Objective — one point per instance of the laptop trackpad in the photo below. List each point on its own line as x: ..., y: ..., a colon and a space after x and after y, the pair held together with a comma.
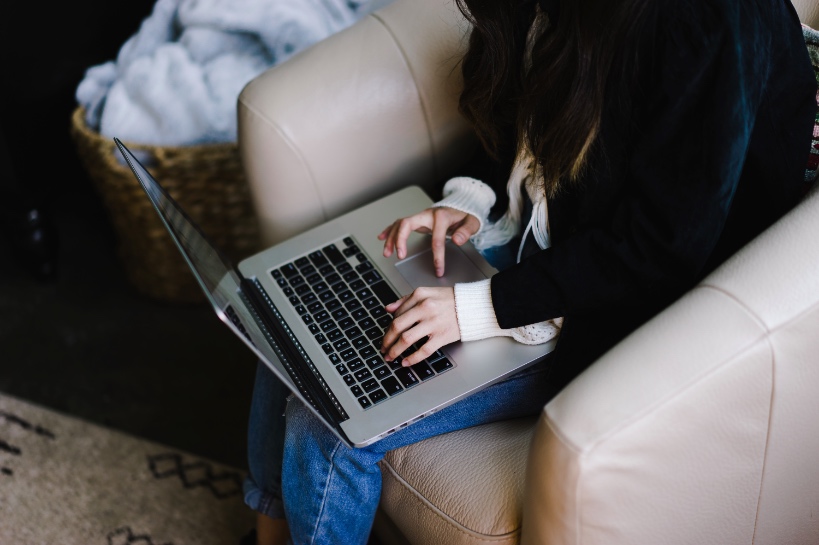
x: 418, y: 270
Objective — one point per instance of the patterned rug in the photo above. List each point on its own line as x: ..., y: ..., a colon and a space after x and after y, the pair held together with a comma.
x: 66, y: 481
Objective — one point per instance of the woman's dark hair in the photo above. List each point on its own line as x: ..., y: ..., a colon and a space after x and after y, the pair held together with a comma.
x: 555, y: 101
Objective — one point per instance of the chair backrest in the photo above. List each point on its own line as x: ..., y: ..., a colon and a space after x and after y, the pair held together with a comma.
x: 808, y: 11
x: 359, y: 115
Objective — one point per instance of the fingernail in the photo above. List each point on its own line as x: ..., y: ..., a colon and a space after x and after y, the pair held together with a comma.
x: 458, y: 239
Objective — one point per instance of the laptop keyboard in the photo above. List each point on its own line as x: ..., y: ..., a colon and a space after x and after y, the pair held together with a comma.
x: 340, y: 297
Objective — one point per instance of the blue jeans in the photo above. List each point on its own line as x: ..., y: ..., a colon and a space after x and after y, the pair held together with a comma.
x: 329, y: 492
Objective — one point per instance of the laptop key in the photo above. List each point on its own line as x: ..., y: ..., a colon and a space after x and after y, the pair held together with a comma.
x: 332, y: 304
x: 352, y: 304
x: 345, y: 296
x: 351, y: 276
x: 332, y: 277
x: 302, y: 289
x: 382, y: 372
x: 348, y: 241
x: 365, y: 323
x: 405, y: 375
x: 371, y: 277
x: 356, y: 285
x: 276, y: 273
x: 338, y: 287
x: 340, y: 314
x: 396, y: 363
x: 352, y: 333
x: 327, y: 269
x: 373, y: 333
x: 346, y: 323
x: 369, y: 385
x: 362, y: 374
x: 296, y: 280
x: 360, y: 343
x: 378, y: 396
x: 357, y: 391
x: 301, y: 262
x: 313, y: 278
x: 289, y: 270
x: 378, y: 312
x: 385, y: 321
x: 349, y: 380
x: 342, y: 370
x: 441, y: 365
x: 321, y: 315
x: 351, y: 251
x: 301, y: 310
x: 334, y: 334
x: 326, y: 295
x: 328, y: 326
x: 293, y: 300
x: 423, y: 371
x: 314, y: 307
x: 288, y: 291
x: 327, y: 348
x: 364, y: 402
x: 314, y: 329
x: 334, y: 358
x: 320, y: 287
x: 332, y: 252
x: 367, y: 351
x: 359, y: 314
x: 384, y: 292
x: 341, y: 344
x: 344, y: 267
x: 321, y: 339
x: 318, y: 259
x: 355, y: 365
x: 282, y: 282
x: 391, y: 386
x: 372, y: 302
x: 307, y: 319
x: 348, y: 354
x: 374, y: 362
x: 308, y: 270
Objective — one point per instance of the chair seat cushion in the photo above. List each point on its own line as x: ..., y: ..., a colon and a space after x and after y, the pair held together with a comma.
x: 461, y: 487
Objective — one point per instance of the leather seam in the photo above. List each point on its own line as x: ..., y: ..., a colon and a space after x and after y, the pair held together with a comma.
x: 764, y: 336
x: 424, y: 108
x: 443, y: 516
x: 296, y: 151
x: 767, y: 440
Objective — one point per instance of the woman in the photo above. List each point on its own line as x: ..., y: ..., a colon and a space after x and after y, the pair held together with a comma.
x: 640, y: 142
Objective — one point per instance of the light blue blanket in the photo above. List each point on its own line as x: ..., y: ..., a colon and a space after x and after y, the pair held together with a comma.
x: 176, y: 81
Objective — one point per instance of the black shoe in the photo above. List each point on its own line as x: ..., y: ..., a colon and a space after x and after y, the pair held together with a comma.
x: 249, y: 539
x: 33, y: 241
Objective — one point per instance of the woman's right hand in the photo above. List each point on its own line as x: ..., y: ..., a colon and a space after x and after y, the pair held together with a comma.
x: 440, y: 222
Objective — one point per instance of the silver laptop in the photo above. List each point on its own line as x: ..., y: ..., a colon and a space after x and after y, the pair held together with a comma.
x: 312, y: 309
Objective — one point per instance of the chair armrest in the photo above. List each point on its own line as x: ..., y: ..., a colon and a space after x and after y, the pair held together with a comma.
x: 359, y: 115
x: 701, y: 427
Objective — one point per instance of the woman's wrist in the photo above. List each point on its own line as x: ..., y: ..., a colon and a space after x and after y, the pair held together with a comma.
x: 475, y: 312
x: 468, y: 195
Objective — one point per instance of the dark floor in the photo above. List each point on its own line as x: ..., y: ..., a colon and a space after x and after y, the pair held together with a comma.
x: 89, y: 345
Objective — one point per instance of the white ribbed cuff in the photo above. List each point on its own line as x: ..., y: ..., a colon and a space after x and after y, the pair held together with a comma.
x: 476, y: 315
x: 468, y: 195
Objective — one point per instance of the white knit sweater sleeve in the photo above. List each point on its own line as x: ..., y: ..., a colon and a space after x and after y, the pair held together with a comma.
x: 468, y: 195
x: 477, y: 320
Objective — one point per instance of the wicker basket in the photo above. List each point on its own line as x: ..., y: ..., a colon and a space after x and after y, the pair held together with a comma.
x: 206, y: 180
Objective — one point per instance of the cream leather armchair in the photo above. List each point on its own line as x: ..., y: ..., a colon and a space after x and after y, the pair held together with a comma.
x: 700, y: 428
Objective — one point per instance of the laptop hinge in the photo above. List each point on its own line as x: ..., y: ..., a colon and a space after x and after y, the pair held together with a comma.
x: 292, y: 355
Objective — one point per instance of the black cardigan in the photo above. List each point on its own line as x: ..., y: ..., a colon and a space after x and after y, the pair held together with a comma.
x: 713, y: 154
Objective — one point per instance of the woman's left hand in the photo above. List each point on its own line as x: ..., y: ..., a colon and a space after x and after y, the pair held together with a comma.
x: 426, y: 312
